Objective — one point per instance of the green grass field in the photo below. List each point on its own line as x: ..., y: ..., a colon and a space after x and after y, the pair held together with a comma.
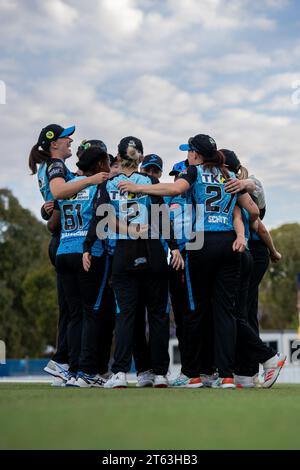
x: 34, y: 416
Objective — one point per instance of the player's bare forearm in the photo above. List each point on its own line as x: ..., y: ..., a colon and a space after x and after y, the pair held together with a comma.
x: 264, y: 234
x: 160, y: 189
x: 238, y: 222
x: 240, y: 242
x: 247, y: 203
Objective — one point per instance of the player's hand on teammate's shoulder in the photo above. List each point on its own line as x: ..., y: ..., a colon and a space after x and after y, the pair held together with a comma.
x: 99, y: 178
x: 86, y: 261
x: 275, y: 256
x: 239, y: 244
x: 234, y: 186
x: 127, y: 186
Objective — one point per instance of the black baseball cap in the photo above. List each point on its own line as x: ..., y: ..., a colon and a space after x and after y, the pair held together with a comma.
x: 200, y: 143
x: 53, y: 132
x: 129, y: 141
x: 112, y: 159
x: 178, y: 168
x: 90, y: 157
x: 152, y: 160
x: 231, y: 160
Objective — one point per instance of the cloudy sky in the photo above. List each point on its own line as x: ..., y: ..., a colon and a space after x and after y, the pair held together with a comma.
x: 162, y: 70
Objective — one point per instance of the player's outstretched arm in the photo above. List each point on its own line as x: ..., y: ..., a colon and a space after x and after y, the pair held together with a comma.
x: 161, y: 189
x: 61, y: 189
x: 265, y: 235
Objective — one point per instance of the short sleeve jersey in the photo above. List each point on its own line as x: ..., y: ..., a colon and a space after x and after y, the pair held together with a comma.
x: 52, y: 168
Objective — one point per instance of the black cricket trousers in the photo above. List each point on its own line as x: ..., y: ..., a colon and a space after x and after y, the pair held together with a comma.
x: 212, y: 275
x: 129, y: 285
x: 61, y: 355
x: 249, y: 347
x: 83, y: 291
x: 261, y: 259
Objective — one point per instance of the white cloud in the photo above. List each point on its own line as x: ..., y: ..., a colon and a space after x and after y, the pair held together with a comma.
x: 60, y: 12
x: 122, y: 15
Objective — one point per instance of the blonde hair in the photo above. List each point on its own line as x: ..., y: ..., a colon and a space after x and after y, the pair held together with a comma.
x: 132, y: 158
x: 243, y: 173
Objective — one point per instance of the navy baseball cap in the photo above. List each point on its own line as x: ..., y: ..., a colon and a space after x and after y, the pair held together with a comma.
x: 231, y: 160
x: 90, y: 157
x: 200, y: 143
x: 152, y: 160
x: 178, y: 168
x: 53, y: 132
x: 112, y: 159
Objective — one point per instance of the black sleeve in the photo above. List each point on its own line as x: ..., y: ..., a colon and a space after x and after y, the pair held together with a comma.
x: 165, y: 212
x: 190, y: 176
x: 101, y: 197
x: 262, y: 213
x: 56, y: 169
x: 44, y: 214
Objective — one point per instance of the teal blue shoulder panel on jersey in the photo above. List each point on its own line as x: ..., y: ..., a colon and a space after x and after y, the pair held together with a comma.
x: 43, y: 178
x: 44, y: 183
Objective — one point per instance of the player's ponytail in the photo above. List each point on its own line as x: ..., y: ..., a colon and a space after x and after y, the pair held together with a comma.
x: 242, y: 173
x: 37, y: 156
x: 131, y: 159
x: 215, y: 160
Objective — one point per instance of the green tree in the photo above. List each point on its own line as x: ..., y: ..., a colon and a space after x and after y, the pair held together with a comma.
x: 23, y: 250
x: 40, y: 309
x: 278, y: 292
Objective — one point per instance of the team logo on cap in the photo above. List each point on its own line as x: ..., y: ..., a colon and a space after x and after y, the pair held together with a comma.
x: 131, y: 143
x: 50, y: 135
x: 212, y: 141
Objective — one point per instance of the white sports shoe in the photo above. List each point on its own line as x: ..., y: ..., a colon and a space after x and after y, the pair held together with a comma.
x: 117, y: 380
x: 243, y: 381
x: 57, y: 370
x: 272, y: 369
x: 88, y: 380
x: 71, y: 380
x: 145, y: 379
x: 160, y: 381
x: 58, y: 382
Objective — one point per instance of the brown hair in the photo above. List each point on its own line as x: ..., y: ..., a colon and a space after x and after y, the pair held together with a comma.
x: 37, y: 156
x: 215, y: 160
